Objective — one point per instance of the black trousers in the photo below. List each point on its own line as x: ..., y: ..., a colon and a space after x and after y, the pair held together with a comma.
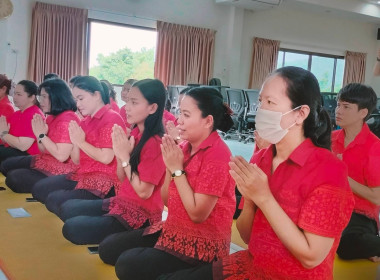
x: 20, y: 178
x: 151, y: 263
x: 115, y: 244
x: 360, y: 239
x: 85, y: 223
x: 8, y: 152
x: 15, y: 163
x: 44, y: 187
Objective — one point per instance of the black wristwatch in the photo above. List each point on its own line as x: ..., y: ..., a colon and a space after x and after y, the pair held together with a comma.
x: 178, y: 173
x: 40, y: 137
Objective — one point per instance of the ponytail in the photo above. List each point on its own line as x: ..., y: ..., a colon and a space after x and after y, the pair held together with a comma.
x: 318, y: 128
x: 210, y: 102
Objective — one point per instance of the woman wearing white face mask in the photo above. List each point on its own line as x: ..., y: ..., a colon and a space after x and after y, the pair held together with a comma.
x: 296, y: 195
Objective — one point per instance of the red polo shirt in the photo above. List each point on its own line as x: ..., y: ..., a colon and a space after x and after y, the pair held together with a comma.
x: 123, y: 114
x: 127, y: 206
x: 207, y: 172
x: 114, y: 106
x: 362, y: 157
x: 311, y: 187
x: 21, y: 126
x: 6, y: 108
x: 58, y: 133
x: 93, y: 175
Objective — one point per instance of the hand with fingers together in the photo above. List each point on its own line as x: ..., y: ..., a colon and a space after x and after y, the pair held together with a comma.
x: 4, y: 126
x: 251, y: 181
x: 121, y: 145
x: 171, y: 154
x: 77, y: 135
x: 39, y: 125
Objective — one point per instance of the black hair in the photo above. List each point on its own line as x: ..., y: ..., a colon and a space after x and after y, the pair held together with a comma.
x: 210, y: 102
x: 61, y: 98
x: 359, y: 94
x: 30, y: 88
x: 153, y: 91
x: 303, y: 89
x: 73, y: 79
x: 92, y: 84
x: 51, y: 76
x: 4, y: 81
x: 110, y: 88
x: 131, y: 81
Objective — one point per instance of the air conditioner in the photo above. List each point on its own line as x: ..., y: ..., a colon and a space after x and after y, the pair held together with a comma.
x: 251, y: 4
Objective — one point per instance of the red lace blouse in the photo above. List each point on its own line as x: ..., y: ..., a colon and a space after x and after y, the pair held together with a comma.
x: 362, y: 157
x: 58, y: 133
x: 207, y: 172
x: 127, y: 206
x: 93, y: 175
x: 311, y: 187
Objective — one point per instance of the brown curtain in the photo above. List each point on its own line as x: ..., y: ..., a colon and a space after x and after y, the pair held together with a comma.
x: 354, y: 68
x: 58, y: 42
x: 184, y: 54
x: 264, y: 61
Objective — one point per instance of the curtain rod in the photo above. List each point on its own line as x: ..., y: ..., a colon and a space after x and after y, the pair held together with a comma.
x: 121, y: 14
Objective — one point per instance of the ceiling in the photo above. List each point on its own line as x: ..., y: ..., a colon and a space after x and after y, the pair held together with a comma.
x: 363, y: 10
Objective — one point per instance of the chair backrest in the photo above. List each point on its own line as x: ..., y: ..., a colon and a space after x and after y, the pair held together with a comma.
x: 252, y: 96
x: 173, y: 93
x: 236, y: 100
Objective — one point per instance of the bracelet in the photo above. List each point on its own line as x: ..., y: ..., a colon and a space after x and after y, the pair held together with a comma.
x: 3, y: 133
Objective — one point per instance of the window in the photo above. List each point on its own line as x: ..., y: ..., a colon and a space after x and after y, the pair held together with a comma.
x: 328, y: 69
x: 119, y: 52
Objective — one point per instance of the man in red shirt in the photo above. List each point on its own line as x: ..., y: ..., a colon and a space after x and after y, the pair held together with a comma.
x: 359, y: 148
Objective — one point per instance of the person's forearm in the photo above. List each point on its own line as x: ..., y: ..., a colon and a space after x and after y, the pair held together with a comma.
x: 103, y: 155
x: 371, y: 194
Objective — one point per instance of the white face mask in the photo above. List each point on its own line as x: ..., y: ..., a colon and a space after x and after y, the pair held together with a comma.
x: 268, y: 125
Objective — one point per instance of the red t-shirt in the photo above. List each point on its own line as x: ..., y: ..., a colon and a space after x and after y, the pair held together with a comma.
x: 123, y: 114
x: 93, y: 175
x: 362, y: 157
x: 58, y: 133
x: 207, y: 172
x: 127, y: 206
x: 21, y: 126
x: 6, y: 108
x: 311, y: 187
x: 114, y: 106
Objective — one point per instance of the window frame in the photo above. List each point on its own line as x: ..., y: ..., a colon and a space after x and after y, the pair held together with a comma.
x: 91, y: 20
x: 310, y: 60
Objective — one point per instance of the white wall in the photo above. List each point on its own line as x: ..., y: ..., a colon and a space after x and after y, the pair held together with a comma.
x: 235, y: 31
x: 312, y: 32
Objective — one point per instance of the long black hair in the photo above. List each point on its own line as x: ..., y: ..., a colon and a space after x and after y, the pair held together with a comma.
x: 154, y: 92
x: 61, y: 98
x: 303, y: 89
x: 210, y: 102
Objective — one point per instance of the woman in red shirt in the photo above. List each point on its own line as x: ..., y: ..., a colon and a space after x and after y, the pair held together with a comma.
x: 140, y: 168
x: 296, y: 196
x: 92, y: 151
x: 124, y: 92
x: 6, y: 107
x: 198, y: 191
x: 17, y: 134
x: 53, y: 137
x: 359, y: 149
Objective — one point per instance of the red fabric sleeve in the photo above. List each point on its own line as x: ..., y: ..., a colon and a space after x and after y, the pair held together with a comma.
x: 151, y: 167
x: 372, y: 173
x: 326, y: 210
